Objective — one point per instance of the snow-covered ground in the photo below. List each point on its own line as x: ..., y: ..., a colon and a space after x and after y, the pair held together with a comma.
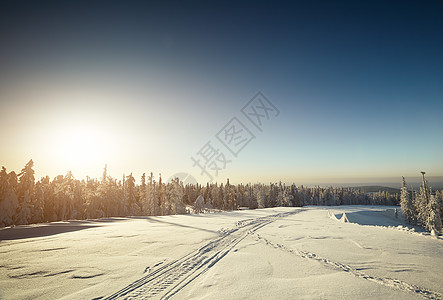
x: 280, y: 253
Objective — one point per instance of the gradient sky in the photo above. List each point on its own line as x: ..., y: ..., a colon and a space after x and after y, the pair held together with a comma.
x: 143, y: 86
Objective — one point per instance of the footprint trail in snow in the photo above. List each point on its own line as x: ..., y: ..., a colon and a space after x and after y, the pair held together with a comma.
x: 389, y: 282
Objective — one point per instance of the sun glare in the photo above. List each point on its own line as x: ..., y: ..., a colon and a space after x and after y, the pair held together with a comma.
x: 79, y: 147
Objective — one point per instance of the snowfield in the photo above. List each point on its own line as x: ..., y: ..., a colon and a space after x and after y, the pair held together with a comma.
x: 279, y: 253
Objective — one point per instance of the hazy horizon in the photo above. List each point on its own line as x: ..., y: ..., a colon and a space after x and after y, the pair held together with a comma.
x: 435, y: 182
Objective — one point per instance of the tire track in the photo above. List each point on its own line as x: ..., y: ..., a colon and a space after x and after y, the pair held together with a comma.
x: 386, y: 281
x: 168, y: 279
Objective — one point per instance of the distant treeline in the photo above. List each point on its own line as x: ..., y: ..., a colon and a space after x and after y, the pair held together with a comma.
x: 22, y: 201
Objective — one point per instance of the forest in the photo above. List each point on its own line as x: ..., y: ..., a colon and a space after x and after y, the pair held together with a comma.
x: 24, y: 201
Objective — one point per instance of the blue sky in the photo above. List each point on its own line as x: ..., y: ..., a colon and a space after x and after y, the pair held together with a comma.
x: 142, y: 86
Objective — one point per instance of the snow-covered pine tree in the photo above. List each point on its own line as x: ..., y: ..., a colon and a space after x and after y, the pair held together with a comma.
x: 421, y: 203
x: 130, y: 195
x: 161, y: 196
x: 177, y: 192
x: 68, y: 187
x: 215, y: 195
x: 294, y: 196
x: 272, y: 199
x: 38, y: 204
x: 250, y: 199
x: 288, y: 197
x: 25, y: 190
x: 279, y: 196
x: 93, y: 204
x: 8, y: 199
x: 199, y: 204
x: 260, y: 195
x: 240, y: 196
x: 226, y: 192
x: 206, y: 192
x: 78, y: 205
x: 105, y: 173
x: 433, y: 222
x: 232, y: 199
x: 330, y: 197
x: 3, y: 182
x: 439, y: 195
x: 407, y: 207
x: 148, y: 205
x: 142, y: 189
x: 151, y: 200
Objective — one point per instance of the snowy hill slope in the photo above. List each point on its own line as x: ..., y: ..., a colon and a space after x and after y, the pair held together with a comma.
x: 281, y: 253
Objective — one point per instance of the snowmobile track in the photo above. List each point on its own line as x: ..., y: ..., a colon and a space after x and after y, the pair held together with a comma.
x: 168, y: 279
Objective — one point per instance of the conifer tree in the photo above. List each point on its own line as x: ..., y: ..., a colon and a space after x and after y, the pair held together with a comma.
x: 3, y: 182
x: 407, y: 207
x: 25, y: 190
x: 199, y: 204
x: 433, y: 222
x: 130, y: 195
x: 142, y: 195
x: 8, y: 198
x: 105, y: 173
x: 421, y: 203
x: 38, y: 204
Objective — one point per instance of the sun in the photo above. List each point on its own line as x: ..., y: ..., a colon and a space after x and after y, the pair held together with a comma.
x: 79, y: 146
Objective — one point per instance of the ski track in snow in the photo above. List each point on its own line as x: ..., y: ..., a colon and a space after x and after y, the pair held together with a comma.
x: 389, y: 282
x: 168, y: 279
